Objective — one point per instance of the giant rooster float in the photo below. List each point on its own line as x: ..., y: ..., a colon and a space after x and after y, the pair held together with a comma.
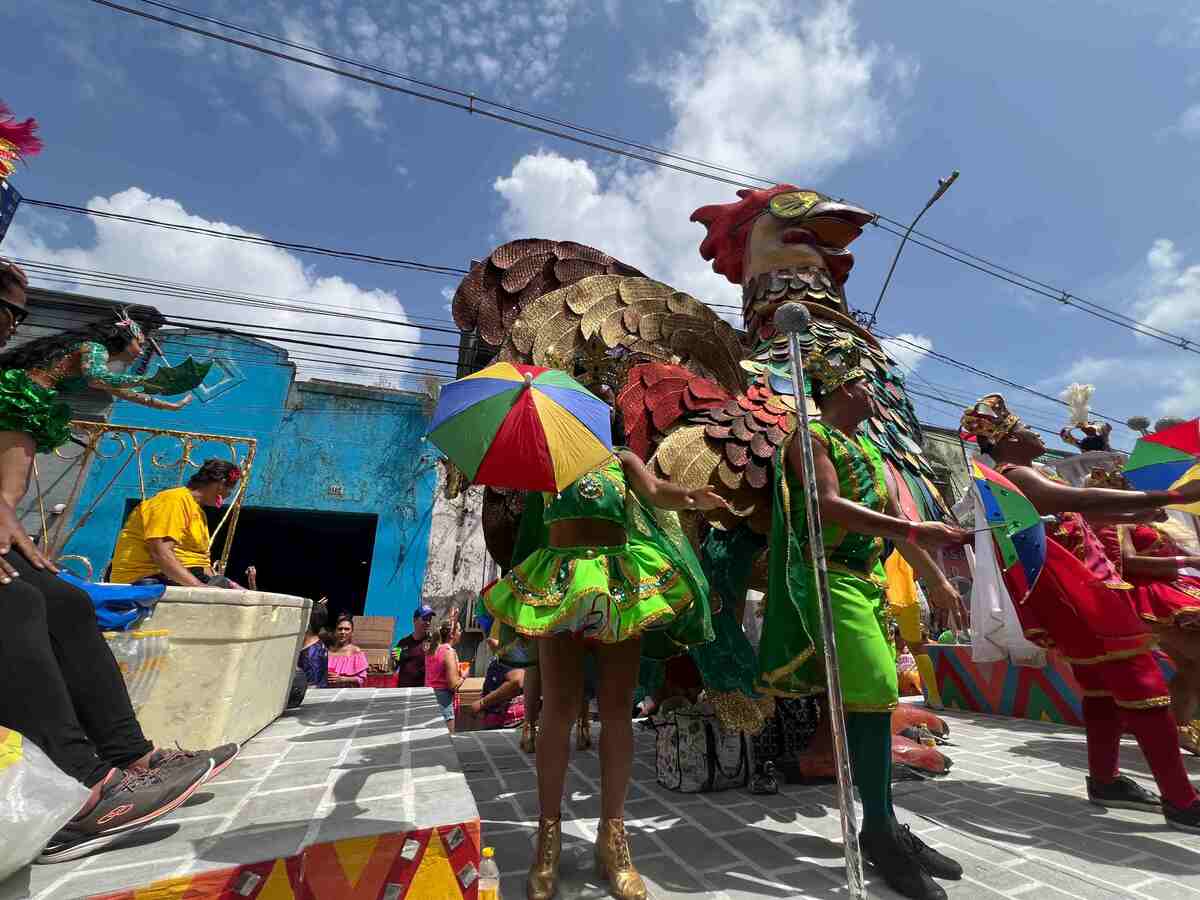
x: 703, y: 403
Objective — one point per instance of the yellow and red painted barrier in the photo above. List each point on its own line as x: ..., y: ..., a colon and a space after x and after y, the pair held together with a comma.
x: 1048, y: 694
x: 428, y: 864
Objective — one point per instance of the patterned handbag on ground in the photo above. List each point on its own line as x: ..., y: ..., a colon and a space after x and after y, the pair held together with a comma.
x: 788, y: 732
x: 695, y: 756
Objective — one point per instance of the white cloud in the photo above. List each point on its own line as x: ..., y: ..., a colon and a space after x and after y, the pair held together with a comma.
x: 909, y: 350
x: 1154, y: 380
x: 1189, y: 122
x: 1172, y: 299
x: 1089, y: 370
x: 222, y: 264
x: 505, y: 47
x: 768, y: 86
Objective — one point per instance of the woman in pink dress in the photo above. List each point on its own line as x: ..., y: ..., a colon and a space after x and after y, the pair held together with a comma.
x: 347, y: 663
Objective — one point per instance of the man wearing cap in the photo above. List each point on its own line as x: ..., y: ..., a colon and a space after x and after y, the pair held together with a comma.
x: 409, y: 651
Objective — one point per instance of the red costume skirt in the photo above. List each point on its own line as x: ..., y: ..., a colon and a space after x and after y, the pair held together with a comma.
x: 1097, y: 629
x: 1163, y: 603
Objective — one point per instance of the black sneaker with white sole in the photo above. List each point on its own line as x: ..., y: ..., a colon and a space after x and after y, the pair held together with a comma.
x: 1122, y: 793
x: 221, y: 757
x: 128, y: 802
x: 1183, y: 819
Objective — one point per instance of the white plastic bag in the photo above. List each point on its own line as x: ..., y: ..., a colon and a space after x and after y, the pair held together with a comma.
x: 36, y: 799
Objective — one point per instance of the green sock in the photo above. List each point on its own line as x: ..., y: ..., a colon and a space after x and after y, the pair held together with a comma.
x: 870, y: 739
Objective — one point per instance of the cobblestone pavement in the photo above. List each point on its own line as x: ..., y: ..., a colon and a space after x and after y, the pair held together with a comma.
x: 1013, y: 811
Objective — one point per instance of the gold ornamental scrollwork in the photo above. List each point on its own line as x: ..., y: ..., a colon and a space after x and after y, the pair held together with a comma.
x: 127, y: 445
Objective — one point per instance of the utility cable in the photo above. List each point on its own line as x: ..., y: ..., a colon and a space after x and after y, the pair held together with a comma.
x: 474, y: 102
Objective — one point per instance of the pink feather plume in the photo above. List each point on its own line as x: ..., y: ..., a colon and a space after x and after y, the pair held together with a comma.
x: 21, y: 135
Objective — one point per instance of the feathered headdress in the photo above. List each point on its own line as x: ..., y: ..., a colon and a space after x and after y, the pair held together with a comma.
x: 1078, y: 398
x: 17, y: 140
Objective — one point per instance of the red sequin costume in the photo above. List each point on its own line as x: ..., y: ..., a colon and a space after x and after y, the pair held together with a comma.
x: 1082, y: 607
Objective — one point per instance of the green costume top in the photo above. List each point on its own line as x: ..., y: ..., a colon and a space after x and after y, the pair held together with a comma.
x: 93, y: 366
x: 861, y: 478
x: 650, y: 586
x: 791, y: 660
x: 600, y: 494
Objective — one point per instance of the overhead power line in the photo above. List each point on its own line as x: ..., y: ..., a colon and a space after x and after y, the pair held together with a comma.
x: 126, y: 282
x: 139, y: 284
x: 933, y: 354
x: 297, y: 247
x: 484, y: 107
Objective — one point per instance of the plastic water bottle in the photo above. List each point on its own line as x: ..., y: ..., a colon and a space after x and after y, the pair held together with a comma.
x: 489, y: 876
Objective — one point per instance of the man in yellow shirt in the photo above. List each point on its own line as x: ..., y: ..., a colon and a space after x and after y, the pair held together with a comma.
x: 165, y: 540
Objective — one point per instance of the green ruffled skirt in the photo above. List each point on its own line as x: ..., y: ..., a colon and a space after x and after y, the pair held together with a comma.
x: 28, y: 407
x: 607, y: 594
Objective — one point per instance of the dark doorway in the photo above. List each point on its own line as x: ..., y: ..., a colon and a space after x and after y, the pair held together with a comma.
x: 306, y: 554
x: 301, y: 552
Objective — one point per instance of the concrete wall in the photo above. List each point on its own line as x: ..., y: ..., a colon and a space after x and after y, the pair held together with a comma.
x: 344, y: 448
x: 458, y: 561
x: 322, y: 446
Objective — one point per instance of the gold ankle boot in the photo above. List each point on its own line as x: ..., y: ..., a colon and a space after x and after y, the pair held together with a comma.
x: 542, y: 883
x: 583, y: 740
x: 614, y: 864
x: 528, y: 741
x: 1189, y: 738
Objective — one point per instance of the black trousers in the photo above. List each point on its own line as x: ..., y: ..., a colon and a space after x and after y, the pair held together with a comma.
x: 211, y: 580
x: 59, y: 683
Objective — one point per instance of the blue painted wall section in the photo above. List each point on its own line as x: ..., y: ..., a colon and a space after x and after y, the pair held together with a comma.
x: 321, y: 447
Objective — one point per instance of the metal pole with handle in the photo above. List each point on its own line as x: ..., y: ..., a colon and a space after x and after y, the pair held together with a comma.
x: 793, y: 319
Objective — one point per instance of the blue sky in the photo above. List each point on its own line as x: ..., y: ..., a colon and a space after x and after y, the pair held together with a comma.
x: 1076, y: 127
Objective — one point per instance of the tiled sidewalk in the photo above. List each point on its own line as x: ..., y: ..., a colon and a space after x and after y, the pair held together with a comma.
x: 348, y: 764
x: 1013, y: 811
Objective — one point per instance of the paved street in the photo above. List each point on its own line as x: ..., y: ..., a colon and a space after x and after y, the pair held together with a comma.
x: 1013, y: 811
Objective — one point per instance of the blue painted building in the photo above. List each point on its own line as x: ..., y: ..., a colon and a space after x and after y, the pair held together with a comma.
x: 340, y: 493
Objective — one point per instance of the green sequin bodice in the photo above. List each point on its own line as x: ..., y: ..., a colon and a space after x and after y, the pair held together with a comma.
x: 600, y: 494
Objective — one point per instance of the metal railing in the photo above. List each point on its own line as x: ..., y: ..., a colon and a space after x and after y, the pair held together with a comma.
x: 129, y: 445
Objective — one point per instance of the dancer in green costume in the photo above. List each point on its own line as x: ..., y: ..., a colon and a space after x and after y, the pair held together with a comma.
x: 612, y: 569
x: 858, y: 513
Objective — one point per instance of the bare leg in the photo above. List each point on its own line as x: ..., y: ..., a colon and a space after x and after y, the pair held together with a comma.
x: 617, y: 679
x: 532, y: 687
x: 560, y: 659
x: 533, y: 693
x: 16, y: 463
x: 1183, y: 646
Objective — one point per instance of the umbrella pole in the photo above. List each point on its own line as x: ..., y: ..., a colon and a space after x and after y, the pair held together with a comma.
x: 792, y: 318
x: 158, y: 350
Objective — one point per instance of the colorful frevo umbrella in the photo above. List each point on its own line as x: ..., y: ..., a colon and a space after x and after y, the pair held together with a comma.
x: 1164, y: 459
x: 1017, y: 530
x: 522, y: 427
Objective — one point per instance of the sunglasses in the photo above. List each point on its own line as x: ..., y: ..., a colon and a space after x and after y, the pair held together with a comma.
x: 787, y: 207
x: 19, y: 313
